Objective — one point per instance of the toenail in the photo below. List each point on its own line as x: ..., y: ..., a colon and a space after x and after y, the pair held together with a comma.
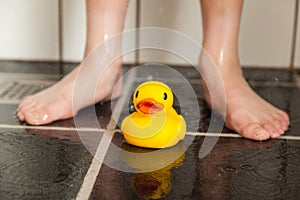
x: 34, y: 115
x: 276, y: 135
x: 281, y: 130
x: 260, y: 132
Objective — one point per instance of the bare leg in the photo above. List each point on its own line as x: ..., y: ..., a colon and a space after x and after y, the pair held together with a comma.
x: 105, y: 18
x: 246, y: 112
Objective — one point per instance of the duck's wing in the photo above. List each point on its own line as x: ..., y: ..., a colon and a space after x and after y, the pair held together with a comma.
x: 182, y: 128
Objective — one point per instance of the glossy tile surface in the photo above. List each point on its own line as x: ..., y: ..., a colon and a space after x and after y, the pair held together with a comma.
x: 235, y: 169
x: 44, y: 164
x: 52, y: 161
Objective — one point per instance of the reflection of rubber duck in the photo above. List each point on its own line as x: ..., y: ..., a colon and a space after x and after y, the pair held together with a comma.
x: 155, y: 124
x: 155, y: 183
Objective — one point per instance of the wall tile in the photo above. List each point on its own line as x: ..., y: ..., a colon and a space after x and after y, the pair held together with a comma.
x: 182, y: 16
x: 74, y: 29
x: 29, y: 29
x: 266, y: 33
x: 265, y: 36
x: 297, y: 54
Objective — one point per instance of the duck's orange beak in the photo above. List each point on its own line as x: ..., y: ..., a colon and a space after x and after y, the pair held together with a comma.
x: 149, y: 106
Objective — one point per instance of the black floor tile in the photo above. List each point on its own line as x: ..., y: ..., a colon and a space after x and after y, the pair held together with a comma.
x: 49, y: 68
x: 68, y: 67
x: 147, y: 185
x: 253, y: 74
x: 7, y: 114
x: 41, y: 164
x: 245, y: 169
x: 161, y: 72
x: 273, y: 75
x: 236, y: 168
x: 51, y: 164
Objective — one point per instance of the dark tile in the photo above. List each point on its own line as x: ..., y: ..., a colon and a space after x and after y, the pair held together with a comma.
x: 49, y: 68
x: 246, y: 169
x: 41, y: 164
x: 68, y: 67
x: 138, y: 184
x: 273, y: 75
x: 7, y: 114
x: 156, y: 71
x: 190, y: 72
x: 236, y: 168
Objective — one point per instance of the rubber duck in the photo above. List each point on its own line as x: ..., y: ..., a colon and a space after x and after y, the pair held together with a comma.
x: 154, y: 123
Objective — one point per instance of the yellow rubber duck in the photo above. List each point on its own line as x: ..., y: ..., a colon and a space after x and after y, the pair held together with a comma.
x: 155, y: 123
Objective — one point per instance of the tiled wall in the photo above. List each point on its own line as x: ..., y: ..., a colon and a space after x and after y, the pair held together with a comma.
x: 265, y: 36
x: 74, y: 31
x: 30, y: 29
x: 266, y: 33
x: 297, y: 55
x: 183, y: 16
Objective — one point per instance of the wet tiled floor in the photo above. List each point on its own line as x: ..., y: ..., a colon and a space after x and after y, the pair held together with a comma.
x: 56, y: 161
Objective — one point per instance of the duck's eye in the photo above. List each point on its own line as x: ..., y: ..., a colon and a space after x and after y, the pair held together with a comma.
x: 136, y: 94
x: 165, y: 96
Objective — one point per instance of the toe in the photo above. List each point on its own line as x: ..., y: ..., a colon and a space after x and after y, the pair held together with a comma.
x: 277, y: 124
x: 284, y: 125
x: 255, y: 131
x: 284, y: 120
x: 33, y: 117
x: 28, y: 106
x: 284, y: 116
x: 271, y: 129
x: 20, y: 116
x: 24, y: 102
x: 38, y: 117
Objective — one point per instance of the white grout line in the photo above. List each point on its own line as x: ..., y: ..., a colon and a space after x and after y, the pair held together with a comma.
x: 111, y: 125
x: 235, y: 135
x: 87, y: 129
x: 93, y: 171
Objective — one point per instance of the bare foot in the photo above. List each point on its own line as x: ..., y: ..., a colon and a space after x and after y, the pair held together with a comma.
x: 55, y: 102
x: 246, y: 112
